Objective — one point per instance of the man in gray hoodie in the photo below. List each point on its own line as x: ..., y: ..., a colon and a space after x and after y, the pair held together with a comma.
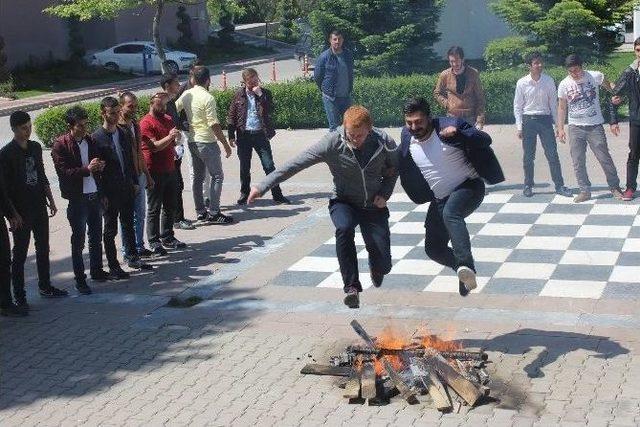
x: 363, y: 162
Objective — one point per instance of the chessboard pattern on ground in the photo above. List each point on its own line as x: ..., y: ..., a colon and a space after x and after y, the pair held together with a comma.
x: 545, y: 245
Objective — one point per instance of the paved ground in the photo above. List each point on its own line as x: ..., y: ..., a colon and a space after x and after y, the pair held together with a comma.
x: 121, y: 357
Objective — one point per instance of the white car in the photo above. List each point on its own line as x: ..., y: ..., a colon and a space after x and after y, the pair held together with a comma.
x: 141, y: 57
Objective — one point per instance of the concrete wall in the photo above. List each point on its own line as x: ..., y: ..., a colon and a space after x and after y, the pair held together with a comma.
x: 469, y: 24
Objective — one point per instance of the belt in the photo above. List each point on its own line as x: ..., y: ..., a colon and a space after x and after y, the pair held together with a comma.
x: 254, y: 132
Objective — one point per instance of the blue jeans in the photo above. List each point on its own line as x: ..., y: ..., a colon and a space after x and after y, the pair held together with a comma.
x: 374, y: 225
x: 532, y: 127
x: 335, y: 110
x: 445, y: 221
x: 82, y: 212
x: 139, y: 212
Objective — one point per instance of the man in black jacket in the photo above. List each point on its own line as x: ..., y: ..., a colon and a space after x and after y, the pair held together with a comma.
x: 29, y: 192
x: 444, y: 161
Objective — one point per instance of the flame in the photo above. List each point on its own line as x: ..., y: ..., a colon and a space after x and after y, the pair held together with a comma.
x: 432, y: 341
x: 391, y: 338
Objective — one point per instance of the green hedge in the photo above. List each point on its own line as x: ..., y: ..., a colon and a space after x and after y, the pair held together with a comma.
x: 298, y: 104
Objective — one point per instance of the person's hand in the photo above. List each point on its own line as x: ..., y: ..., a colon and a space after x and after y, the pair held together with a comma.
x: 15, y: 222
x: 616, y: 100
x: 253, y: 195
x: 448, y: 132
x: 380, y: 202
x: 227, y: 150
x: 519, y: 134
x: 232, y: 142
x: 479, y: 125
x: 95, y: 165
x: 257, y: 90
x: 174, y: 133
x: 53, y: 209
x: 615, y: 129
x: 103, y: 164
x: 562, y: 136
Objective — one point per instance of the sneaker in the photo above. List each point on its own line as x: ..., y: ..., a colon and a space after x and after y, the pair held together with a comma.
x: 174, y: 244
x: 352, y: 300
x: 281, y: 200
x: 159, y: 250
x: 462, y: 289
x: 99, y: 276
x: 83, y: 288
x: 617, y: 194
x: 13, y: 311
x: 564, y: 191
x: 118, y: 274
x: 52, y: 292
x: 468, y: 277
x: 138, y: 264
x: 184, y: 225
x: 21, y: 303
x: 144, y: 253
x: 628, y: 194
x: 202, y: 217
x: 527, y: 192
x: 243, y: 199
x: 583, y: 196
x: 376, y: 278
x: 219, y: 218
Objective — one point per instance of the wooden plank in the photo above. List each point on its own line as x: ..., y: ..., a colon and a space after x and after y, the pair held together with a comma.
x: 352, y: 388
x: 336, y: 371
x: 431, y: 383
x: 462, y: 386
x: 368, y: 381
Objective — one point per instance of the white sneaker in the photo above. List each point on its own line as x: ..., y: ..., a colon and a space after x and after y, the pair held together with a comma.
x: 468, y: 277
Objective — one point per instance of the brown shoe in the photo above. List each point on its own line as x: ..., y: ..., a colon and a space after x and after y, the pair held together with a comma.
x: 583, y: 196
x: 617, y: 194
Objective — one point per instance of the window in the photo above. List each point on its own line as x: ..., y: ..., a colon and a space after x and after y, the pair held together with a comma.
x: 129, y: 48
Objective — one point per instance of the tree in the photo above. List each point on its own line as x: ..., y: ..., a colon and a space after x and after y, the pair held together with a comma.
x: 75, y: 43
x: 84, y: 10
x: 287, y: 11
x: 185, y: 41
x: 562, y: 27
x: 387, y: 36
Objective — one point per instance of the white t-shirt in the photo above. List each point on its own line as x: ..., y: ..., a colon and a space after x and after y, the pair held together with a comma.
x: 583, y: 99
x: 443, y: 166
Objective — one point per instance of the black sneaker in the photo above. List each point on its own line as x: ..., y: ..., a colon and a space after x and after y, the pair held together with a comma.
x: 52, y: 292
x: 281, y: 200
x: 564, y: 191
x: 219, y: 218
x: 159, y: 251
x: 99, y: 276
x: 243, y: 199
x: 527, y: 192
x: 462, y: 289
x: 118, y: 274
x: 138, y: 264
x: 352, y: 300
x: 13, y: 311
x: 174, y: 244
x: 202, y: 217
x: 144, y: 253
x: 376, y: 279
x: 83, y: 288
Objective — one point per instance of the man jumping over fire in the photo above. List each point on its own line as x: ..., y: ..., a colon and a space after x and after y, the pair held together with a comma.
x: 363, y: 163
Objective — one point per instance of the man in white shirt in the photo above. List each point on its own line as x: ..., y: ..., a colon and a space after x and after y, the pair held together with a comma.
x: 579, y: 94
x: 535, y: 107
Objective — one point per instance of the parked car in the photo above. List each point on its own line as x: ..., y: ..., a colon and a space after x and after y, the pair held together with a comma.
x: 132, y: 56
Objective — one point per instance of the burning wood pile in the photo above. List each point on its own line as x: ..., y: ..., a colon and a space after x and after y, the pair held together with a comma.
x: 389, y: 365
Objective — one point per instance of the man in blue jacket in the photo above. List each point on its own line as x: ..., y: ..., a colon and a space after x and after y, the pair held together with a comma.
x: 445, y: 161
x: 333, y: 74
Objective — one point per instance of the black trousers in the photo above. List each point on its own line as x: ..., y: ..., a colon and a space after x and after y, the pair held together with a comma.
x: 121, y: 206
x: 161, y: 200
x: 37, y: 223
x: 5, y: 266
x: 179, y: 215
x: 247, y: 142
x: 634, y: 156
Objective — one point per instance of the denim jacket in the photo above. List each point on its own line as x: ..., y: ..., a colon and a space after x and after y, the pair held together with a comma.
x: 325, y: 72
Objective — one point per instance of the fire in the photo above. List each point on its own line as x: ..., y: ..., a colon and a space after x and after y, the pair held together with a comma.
x: 432, y: 341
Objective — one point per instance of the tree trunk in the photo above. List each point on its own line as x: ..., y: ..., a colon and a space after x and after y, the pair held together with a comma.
x: 266, y: 33
x: 156, y: 33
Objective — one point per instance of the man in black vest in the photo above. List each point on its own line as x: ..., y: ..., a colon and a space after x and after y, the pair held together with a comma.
x: 444, y: 161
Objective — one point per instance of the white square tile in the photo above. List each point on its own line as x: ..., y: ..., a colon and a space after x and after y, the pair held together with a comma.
x: 399, y: 197
x: 335, y: 281
x: 561, y: 219
x: 523, y: 270
x: 573, y: 289
x: 617, y: 209
x: 636, y: 221
x: 397, y: 252
x: 590, y: 257
x: 561, y: 200
x: 417, y: 267
x: 357, y: 238
x: 479, y: 217
x: 497, y: 198
x: 504, y: 230
x: 625, y: 274
x: 408, y: 228
x: 450, y: 284
x: 524, y: 208
x: 604, y: 231
x: 424, y: 208
x: 490, y: 254
x: 544, y: 242
x: 316, y: 263
x: 396, y: 216
x: 631, y: 245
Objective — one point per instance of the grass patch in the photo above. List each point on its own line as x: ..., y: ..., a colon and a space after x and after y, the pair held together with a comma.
x: 176, y: 302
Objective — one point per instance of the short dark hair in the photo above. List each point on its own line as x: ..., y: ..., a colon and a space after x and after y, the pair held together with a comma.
x: 74, y: 115
x: 201, y: 75
x: 18, y: 118
x: 573, y: 60
x: 415, y: 105
x: 636, y: 42
x: 122, y: 97
x: 336, y: 32
x: 167, y: 79
x: 455, y: 51
x: 529, y: 58
x: 109, y: 102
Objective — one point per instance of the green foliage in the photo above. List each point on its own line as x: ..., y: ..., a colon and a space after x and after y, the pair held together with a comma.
x: 508, y: 52
x: 388, y: 36
x: 7, y: 88
x: 76, y: 42
x: 287, y: 11
x: 4, y: 72
x: 562, y: 27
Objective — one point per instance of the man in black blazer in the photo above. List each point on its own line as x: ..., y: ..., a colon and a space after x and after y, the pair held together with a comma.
x: 445, y: 161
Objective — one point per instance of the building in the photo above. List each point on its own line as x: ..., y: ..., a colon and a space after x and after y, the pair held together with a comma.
x: 31, y: 35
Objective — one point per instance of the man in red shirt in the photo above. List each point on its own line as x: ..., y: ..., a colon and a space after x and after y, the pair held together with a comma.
x: 159, y: 136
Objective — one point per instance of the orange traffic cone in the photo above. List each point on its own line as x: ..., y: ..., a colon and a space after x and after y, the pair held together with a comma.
x: 273, y: 71
x: 224, y: 80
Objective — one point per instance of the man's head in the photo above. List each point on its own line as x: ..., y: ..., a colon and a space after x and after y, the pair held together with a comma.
x: 77, y: 119
x: 201, y: 76
x: 417, y: 117
x: 535, y: 62
x: 110, y: 110
x: 455, y: 55
x: 357, y: 125
x: 573, y: 64
x: 20, y: 123
x: 250, y: 78
x: 336, y: 39
x: 128, y: 105
x: 169, y: 83
x: 158, y: 103
x: 636, y: 47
